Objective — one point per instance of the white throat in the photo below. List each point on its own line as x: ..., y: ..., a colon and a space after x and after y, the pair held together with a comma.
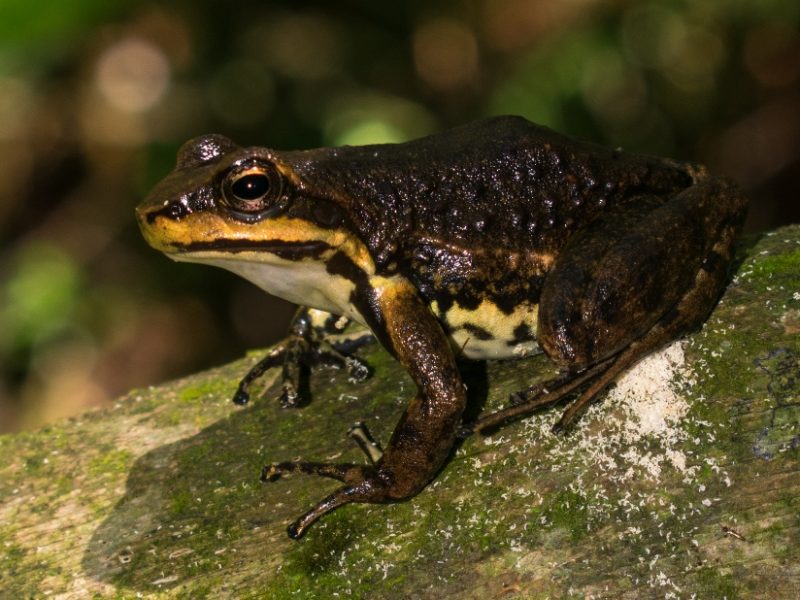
x: 305, y: 282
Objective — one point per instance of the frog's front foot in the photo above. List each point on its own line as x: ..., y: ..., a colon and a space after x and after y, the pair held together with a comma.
x: 304, y: 349
x: 273, y: 359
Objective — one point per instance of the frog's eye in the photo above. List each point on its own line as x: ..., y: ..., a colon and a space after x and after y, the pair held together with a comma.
x: 252, y: 189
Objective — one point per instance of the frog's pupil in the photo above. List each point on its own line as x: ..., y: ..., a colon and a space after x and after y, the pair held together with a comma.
x: 250, y: 187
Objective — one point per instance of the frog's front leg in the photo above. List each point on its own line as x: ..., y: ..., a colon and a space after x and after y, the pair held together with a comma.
x: 307, y: 346
x: 425, y: 435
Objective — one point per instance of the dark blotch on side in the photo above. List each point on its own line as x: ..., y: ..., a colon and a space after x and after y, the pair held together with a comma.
x: 522, y: 333
x: 478, y: 332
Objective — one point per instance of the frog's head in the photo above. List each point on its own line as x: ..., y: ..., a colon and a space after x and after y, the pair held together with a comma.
x: 248, y: 210
x: 222, y: 197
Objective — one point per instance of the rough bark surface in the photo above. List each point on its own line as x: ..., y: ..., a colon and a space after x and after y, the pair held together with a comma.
x: 683, y: 483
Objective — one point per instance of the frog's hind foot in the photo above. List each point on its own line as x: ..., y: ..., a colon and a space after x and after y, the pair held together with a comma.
x: 593, y: 380
x: 676, y: 322
x: 538, y: 396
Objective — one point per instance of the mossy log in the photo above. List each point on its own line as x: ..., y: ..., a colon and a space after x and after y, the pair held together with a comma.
x: 684, y: 482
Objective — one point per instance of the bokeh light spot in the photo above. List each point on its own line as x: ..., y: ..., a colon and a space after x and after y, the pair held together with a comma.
x: 133, y: 75
x: 370, y: 118
x: 370, y: 131
x: 39, y: 296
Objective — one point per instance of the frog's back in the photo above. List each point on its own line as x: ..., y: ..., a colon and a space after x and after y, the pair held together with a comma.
x: 522, y: 185
x: 502, y: 181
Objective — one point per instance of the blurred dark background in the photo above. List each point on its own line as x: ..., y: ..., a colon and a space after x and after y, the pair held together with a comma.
x: 96, y: 97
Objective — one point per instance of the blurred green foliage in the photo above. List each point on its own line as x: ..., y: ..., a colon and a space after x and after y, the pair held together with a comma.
x: 41, y: 297
x: 42, y: 25
x: 96, y: 97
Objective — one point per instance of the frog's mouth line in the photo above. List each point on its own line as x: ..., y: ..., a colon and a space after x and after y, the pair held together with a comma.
x: 291, y: 250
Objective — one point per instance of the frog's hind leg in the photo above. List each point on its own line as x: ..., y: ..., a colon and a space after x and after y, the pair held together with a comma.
x: 627, y: 285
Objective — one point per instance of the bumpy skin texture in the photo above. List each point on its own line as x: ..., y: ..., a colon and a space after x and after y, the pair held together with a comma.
x: 470, y: 210
x: 487, y: 232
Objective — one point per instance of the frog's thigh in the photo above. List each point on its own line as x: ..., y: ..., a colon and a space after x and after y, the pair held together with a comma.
x: 622, y: 274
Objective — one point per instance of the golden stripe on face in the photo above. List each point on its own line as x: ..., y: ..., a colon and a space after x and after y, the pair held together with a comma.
x: 209, y: 232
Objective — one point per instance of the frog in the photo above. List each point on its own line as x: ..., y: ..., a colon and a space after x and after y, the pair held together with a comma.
x: 494, y: 240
